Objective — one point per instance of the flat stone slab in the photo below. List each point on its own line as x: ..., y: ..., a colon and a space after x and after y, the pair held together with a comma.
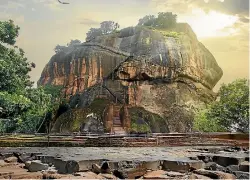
x: 182, y: 165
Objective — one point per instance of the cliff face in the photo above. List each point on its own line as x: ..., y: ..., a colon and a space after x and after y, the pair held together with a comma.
x: 166, y: 73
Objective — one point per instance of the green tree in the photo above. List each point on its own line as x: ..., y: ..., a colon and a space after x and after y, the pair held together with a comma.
x: 230, y: 112
x: 148, y: 20
x: 203, y: 123
x: 163, y: 20
x: 21, y: 107
x: 166, y: 20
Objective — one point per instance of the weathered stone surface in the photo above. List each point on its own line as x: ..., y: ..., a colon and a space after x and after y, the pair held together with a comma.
x: 215, y: 167
x: 159, y: 174
x: 11, y: 159
x: 2, y: 163
x: 241, y: 175
x: 86, y: 175
x: 37, y: 165
x: 232, y: 168
x: 215, y: 174
x: 197, y: 176
x: 244, y: 166
x: 71, y: 167
x: 96, y: 168
x: 105, y: 176
x: 27, y: 164
x: 168, y: 76
x: 227, y: 160
x: 182, y: 165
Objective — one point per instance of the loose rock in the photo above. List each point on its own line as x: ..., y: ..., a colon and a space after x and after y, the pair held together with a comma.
x: 37, y: 165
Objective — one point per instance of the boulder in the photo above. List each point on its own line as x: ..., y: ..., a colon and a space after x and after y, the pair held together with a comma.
x: 244, y: 166
x: 182, y: 165
x: 71, y: 167
x: 37, y: 165
x: 27, y: 164
x: 12, y: 159
x: 241, y: 175
x: 214, y: 174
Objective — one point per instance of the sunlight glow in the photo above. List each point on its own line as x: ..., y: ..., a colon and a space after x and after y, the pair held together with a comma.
x: 211, y: 24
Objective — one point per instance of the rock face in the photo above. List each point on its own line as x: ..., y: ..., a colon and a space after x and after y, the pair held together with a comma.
x: 166, y: 75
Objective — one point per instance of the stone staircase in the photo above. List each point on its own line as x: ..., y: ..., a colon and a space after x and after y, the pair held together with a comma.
x: 117, y: 124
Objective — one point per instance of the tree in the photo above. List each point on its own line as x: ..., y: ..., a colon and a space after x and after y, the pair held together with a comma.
x: 8, y: 32
x: 108, y: 27
x: 59, y: 48
x: 148, y: 20
x: 21, y: 106
x: 93, y: 33
x: 74, y: 42
x: 231, y: 110
x: 163, y: 20
x: 166, y: 19
x: 204, y: 123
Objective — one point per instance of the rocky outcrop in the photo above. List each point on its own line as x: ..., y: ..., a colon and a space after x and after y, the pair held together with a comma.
x: 167, y: 75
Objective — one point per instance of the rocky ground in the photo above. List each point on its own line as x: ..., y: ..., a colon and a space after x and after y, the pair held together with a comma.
x: 120, y: 163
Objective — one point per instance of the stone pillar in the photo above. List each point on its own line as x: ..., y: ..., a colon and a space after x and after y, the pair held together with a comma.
x: 108, y: 118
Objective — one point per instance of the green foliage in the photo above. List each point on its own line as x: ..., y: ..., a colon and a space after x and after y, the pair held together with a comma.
x: 21, y: 107
x: 164, y: 20
x: 230, y: 112
x: 170, y: 34
x: 8, y: 32
x: 140, y: 128
x: 106, y: 27
x: 69, y: 46
x: 204, y: 124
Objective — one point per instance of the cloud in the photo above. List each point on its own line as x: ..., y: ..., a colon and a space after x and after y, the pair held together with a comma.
x: 232, y: 7
x: 11, y: 4
x: 89, y: 22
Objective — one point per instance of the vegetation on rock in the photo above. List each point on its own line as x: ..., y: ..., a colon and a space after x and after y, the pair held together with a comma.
x: 230, y: 112
x: 106, y: 27
x: 164, y: 20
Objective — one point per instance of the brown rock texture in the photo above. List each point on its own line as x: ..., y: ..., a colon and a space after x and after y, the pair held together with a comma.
x: 170, y: 76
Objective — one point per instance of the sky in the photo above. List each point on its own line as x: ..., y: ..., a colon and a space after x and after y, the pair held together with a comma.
x: 221, y: 25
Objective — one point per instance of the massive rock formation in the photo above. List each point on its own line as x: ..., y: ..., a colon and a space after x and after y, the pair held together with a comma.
x: 163, y: 74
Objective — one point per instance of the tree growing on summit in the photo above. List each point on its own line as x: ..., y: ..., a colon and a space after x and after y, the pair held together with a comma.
x: 106, y: 27
x: 163, y: 20
x: 74, y: 42
x: 59, y: 48
x: 148, y: 20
